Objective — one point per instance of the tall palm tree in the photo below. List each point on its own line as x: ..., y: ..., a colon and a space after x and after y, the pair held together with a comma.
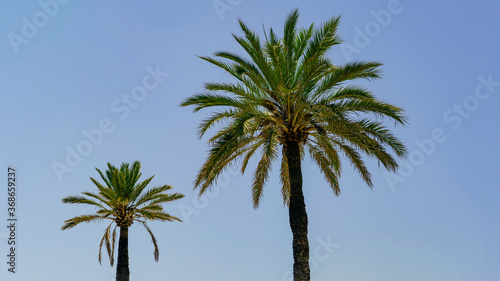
x: 288, y: 95
x: 123, y: 200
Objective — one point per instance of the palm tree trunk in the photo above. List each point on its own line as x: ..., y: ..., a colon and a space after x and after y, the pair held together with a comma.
x: 122, y: 269
x: 297, y: 213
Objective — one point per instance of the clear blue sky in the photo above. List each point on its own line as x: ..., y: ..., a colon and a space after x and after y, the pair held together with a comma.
x: 70, y: 69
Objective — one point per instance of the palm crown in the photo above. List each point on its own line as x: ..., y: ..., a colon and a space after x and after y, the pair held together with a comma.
x: 123, y: 200
x: 288, y: 93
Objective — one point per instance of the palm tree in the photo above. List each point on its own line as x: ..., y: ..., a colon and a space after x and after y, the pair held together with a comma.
x: 289, y: 96
x: 122, y: 200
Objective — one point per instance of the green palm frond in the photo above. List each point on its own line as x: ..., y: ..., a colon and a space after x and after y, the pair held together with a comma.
x: 325, y: 164
x: 156, y: 215
x: 284, y: 180
x: 323, y: 39
x: 80, y: 219
x: 152, y: 194
x: 261, y: 174
x: 139, y: 188
x: 165, y: 198
x: 81, y: 200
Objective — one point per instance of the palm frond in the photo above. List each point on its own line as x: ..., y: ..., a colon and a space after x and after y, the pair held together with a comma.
x: 284, y: 179
x: 81, y: 219
x: 156, y: 252
x: 262, y: 171
x: 81, y: 200
x: 106, y: 241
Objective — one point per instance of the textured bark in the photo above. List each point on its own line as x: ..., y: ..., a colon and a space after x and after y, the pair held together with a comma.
x: 122, y: 269
x: 298, y: 215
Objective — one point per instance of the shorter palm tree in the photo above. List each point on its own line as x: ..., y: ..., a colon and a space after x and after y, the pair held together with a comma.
x: 122, y: 200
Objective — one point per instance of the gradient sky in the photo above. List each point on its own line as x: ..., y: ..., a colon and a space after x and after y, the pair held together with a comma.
x: 437, y: 220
